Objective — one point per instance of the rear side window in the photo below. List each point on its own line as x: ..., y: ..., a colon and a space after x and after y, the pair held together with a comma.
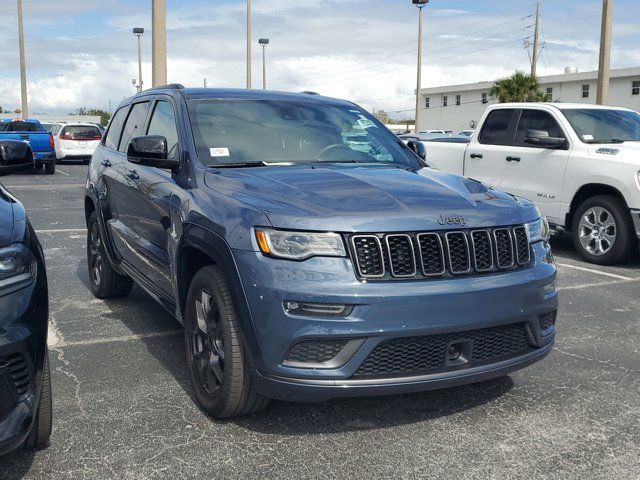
x: 134, y: 124
x: 536, y: 120
x: 55, y: 129
x: 163, y: 122
x: 23, y: 127
x: 115, y: 127
x: 495, y: 130
x: 79, y: 132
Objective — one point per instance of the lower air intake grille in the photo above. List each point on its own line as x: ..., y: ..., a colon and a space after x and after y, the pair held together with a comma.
x: 547, y: 320
x: 315, y: 351
x: 427, y: 354
x: 15, y: 366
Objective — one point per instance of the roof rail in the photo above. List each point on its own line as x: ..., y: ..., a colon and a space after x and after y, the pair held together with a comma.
x: 171, y: 86
x: 308, y: 92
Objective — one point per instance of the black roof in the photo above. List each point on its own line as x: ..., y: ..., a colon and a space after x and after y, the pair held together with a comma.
x: 239, y: 93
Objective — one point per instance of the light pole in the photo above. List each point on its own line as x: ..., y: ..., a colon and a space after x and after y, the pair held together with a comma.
x: 248, y: 44
x: 263, y: 43
x: 23, y: 68
x: 138, y: 31
x: 158, y: 42
x: 420, y: 4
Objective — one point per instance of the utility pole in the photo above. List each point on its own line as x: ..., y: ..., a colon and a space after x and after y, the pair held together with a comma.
x: 420, y: 4
x: 605, y: 53
x: 205, y: 83
x: 248, y: 44
x: 536, y: 41
x: 159, y: 42
x: 138, y: 31
x: 23, y: 68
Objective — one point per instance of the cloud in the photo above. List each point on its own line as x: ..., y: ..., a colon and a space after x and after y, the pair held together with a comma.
x: 83, y: 53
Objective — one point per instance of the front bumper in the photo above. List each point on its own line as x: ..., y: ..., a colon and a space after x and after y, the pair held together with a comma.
x: 383, y: 311
x: 23, y: 323
x: 635, y: 215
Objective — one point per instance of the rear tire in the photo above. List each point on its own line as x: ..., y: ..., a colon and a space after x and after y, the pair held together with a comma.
x: 41, y: 430
x: 50, y: 167
x: 602, y: 230
x: 105, y: 281
x: 218, y: 367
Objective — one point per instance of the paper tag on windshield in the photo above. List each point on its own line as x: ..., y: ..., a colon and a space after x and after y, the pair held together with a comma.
x: 365, y: 123
x: 219, y: 152
x: 587, y: 137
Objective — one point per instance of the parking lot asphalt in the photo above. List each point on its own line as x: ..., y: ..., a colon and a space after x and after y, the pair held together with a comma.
x: 123, y: 407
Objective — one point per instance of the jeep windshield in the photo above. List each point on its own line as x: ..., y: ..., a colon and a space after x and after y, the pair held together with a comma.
x: 284, y: 132
x: 595, y: 125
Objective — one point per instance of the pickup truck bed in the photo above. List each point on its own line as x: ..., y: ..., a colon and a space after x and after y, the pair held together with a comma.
x: 32, y: 132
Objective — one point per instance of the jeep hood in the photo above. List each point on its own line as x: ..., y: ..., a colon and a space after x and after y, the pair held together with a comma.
x: 367, y: 198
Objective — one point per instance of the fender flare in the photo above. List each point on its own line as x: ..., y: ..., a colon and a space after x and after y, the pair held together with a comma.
x: 215, y: 247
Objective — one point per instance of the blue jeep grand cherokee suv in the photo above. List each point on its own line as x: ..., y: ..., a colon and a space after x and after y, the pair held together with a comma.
x: 309, y: 253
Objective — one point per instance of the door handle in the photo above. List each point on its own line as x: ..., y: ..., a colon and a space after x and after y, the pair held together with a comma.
x: 133, y: 175
x: 106, y: 163
x: 513, y: 159
x: 475, y: 155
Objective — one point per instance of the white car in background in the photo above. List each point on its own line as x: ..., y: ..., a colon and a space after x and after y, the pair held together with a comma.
x: 75, y: 141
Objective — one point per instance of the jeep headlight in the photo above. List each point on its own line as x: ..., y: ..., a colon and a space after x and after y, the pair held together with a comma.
x: 538, y: 230
x: 299, y: 245
x: 17, y: 265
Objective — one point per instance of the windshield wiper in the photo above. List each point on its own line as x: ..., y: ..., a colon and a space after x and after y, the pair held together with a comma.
x: 610, y: 140
x: 239, y: 165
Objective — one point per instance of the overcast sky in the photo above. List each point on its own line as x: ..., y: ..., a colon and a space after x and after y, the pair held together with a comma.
x: 82, y: 52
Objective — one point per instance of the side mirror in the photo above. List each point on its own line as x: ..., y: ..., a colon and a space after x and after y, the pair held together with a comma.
x: 418, y: 148
x: 541, y: 138
x: 15, y: 156
x: 150, y: 150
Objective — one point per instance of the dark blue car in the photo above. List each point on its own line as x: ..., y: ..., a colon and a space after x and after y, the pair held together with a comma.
x: 309, y: 253
x: 25, y: 381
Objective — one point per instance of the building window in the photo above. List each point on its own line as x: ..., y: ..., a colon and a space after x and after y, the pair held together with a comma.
x: 458, y: 98
x: 445, y: 101
x: 635, y: 87
x: 549, y: 95
x: 585, y: 91
x: 426, y: 102
x: 484, y: 97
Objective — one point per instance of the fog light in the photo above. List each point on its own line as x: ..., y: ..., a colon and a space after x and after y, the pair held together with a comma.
x: 551, y: 288
x: 318, y: 309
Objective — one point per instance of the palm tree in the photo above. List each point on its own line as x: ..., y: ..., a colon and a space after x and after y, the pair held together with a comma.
x: 519, y: 87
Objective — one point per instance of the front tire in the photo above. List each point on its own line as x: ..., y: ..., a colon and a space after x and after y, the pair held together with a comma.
x: 41, y: 430
x: 603, y: 231
x: 105, y: 281
x: 218, y: 368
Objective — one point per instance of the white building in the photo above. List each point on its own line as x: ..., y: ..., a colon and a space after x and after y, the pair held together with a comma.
x: 459, y: 107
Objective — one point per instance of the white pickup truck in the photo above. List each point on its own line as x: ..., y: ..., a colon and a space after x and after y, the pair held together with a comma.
x: 579, y: 163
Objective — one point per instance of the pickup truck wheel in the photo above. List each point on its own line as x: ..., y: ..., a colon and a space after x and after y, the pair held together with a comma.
x: 50, y: 167
x: 105, y: 281
x: 220, y: 375
x: 41, y: 429
x: 602, y: 230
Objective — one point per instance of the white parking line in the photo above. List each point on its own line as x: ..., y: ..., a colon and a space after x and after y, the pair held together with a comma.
x: 100, y: 341
x: 44, y: 186
x: 597, y: 284
x: 596, y: 272
x: 62, y: 230
x: 60, y: 171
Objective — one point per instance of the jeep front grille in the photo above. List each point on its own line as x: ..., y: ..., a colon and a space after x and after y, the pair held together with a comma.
x: 415, y: 255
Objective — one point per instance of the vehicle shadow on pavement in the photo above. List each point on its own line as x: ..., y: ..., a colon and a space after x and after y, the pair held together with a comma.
x: 371, y: 413
x: 16, y: 464
x: 563, y: 246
